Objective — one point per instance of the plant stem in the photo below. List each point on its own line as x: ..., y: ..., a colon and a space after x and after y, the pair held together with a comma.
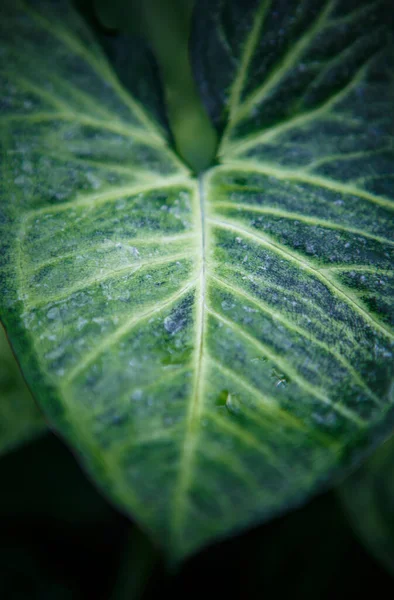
x: 166, y: 26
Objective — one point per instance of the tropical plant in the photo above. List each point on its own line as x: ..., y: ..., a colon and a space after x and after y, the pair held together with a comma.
x: 200, y: 293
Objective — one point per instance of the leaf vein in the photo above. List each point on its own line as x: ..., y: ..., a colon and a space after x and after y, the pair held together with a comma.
x: 300, y: 330
x: 119, y: 333
x: 287, y: 368
x: 302, y: 218
x: 306, y: 265
x: 270, y: 406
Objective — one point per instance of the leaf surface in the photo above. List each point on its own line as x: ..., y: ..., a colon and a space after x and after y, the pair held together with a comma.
x: 217, y: 349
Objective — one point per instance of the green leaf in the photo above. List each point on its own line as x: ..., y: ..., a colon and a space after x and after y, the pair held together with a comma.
x: 20, y: 419
x: 368, y: 496
x: 165, y: 25
x: 216, y: 351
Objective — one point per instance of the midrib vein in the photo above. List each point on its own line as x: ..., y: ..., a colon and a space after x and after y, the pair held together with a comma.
x: 179, y: 506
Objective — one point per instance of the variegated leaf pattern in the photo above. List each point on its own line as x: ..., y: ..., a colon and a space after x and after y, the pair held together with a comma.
x: 215, y: 349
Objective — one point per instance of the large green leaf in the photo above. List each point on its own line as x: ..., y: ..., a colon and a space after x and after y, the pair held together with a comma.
x: 368, y: 496
x: 214, y: 350
x: 20, y: 418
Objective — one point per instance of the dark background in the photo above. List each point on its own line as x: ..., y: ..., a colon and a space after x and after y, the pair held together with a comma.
x: 60, y: 539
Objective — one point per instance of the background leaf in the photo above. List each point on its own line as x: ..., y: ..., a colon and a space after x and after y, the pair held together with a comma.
x: 216, y: 351
x: 43, y: 483
x: 58, y: 536
x: 368, y: 496
x: 20, y: 419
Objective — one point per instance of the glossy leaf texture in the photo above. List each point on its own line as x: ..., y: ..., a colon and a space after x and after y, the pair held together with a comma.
x: 216, y: 350
x: 20, y: 418
x: 368, y: 497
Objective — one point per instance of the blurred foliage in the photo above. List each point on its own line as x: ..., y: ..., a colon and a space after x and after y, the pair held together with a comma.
x: 368, y: 497
x: 59, y: 538
x: 45, y: 482
x: 20, y: 418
